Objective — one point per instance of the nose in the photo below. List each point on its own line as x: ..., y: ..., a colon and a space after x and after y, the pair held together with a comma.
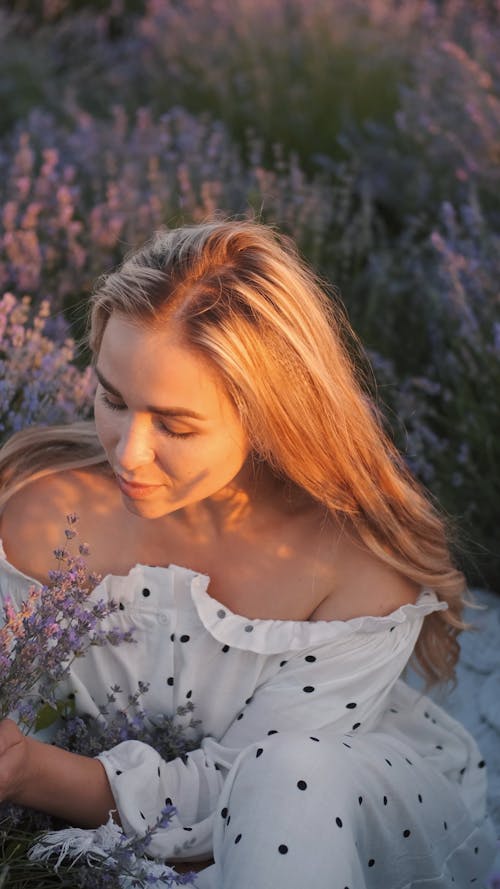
x: 134, y: 448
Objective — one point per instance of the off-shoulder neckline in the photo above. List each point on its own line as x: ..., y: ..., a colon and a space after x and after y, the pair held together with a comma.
x: 209, y: 607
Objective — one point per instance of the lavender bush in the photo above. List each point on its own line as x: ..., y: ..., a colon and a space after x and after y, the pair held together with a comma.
x: 383, y: 163
x: 38, y: 382
x: 75, y: 201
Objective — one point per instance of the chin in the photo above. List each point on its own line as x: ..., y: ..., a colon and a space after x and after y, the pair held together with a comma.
x: 146, y: 510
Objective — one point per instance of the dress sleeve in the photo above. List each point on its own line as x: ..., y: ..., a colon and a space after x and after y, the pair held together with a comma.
x: 338, y: 686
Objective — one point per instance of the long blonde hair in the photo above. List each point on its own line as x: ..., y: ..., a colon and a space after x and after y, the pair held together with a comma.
x: 243, y: 298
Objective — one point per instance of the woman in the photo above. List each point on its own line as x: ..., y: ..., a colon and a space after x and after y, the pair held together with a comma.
x: 279, y: 566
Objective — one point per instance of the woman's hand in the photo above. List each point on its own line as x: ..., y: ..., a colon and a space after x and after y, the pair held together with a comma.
x: 14, y: 760
x: 41, y: 776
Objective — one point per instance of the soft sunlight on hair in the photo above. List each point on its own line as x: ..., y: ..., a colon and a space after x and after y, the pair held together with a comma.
x: 240, y: 294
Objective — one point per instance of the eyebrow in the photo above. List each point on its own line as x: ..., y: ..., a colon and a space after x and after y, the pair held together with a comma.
x: 163, y: 411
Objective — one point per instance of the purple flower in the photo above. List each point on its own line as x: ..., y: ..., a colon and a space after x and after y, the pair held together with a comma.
x: 53, y: 625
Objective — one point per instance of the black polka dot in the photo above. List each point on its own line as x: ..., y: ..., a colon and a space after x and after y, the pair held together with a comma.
x: 302, y: 785
x: 445, y: 825
x: 360, y: 799
x: 347, y: 745
x: 308, y: 688
x: 159, y: 773
x: 259, y: 752
x: 187, y: 828
x: 249, y: 700
x: 310, y: 658
x: 146, y: 592
x: 476, y: 850
x: 420, y: 797
x: 168, y: 801
x: 355, y: 726
x: 385, y: 800
x: 249, y: 628
x: 189, y: 693
x: 225, y: 648
x: 170, y: 680
x: 481, y: 764
x: 371, y: 862
x: 282, y: 663
x: 338, y: 822
x: 389, y: 763
x: 283, y: 849
x: 172, y: 637
x: 408, y: 761
x: 426, y: 714
x: 462, y: 771
x: 351, y: 706
x: 221, y: 613
x: 406, y: 833
x: 228, y: 819
x: 118, y: 772
x: 224, y: 812
x: 393, y: 710
x: 312, y: 738
x: 121, y: 606
x: 392, y: 629
x: 240, y: 716
x: 237, y: 839
x: 439, y: 747
x: 184, y: 638
x: 142, y: 815
x: 272, y: 731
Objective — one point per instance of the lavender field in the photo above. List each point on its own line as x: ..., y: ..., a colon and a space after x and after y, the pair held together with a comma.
x: 369, y: 130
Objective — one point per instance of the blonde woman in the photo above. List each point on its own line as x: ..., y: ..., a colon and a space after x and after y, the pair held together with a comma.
x: 279, y: 566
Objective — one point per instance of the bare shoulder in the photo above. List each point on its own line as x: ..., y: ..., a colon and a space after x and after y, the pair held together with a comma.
x: 363, y: 584
x: 34, y: 519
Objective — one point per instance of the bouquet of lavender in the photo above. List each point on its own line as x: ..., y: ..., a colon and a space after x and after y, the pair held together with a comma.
x: 39, y: 642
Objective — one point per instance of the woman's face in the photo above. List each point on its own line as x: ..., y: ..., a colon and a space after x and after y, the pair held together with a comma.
x: 166, y: 423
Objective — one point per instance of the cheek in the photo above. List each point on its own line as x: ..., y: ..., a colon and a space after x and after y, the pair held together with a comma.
x: 231, y: 454
x: 217, y: 459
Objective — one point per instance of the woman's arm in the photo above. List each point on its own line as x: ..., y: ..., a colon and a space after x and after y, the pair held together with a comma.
x: 41, y: 776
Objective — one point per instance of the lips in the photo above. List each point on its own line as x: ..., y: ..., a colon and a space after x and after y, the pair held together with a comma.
x: 136, y: 490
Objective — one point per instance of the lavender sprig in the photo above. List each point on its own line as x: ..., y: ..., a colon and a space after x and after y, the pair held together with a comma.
x: 117, y: 859
x: 39, y: 642
x: 90, y: 736
x: 77, y: 859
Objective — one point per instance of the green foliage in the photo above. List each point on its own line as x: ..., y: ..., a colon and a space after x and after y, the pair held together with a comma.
x: 48, y: 715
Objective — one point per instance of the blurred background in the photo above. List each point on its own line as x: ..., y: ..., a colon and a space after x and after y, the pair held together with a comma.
x: 368, y: 131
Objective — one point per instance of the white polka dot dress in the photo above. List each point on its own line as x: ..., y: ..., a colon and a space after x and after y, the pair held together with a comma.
x: 316, y: 766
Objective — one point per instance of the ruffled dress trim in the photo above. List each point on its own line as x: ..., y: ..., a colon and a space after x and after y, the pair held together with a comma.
x: 262, y: 636
x: 275, y: 636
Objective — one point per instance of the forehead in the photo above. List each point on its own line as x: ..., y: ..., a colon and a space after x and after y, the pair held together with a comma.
x: 155, y: 366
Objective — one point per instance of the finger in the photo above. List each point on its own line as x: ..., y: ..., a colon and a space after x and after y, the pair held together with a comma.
x: 9, y: 735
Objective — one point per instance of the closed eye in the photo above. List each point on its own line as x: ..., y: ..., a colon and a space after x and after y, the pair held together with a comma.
x: 113, y: 406
x: 118, y: 406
